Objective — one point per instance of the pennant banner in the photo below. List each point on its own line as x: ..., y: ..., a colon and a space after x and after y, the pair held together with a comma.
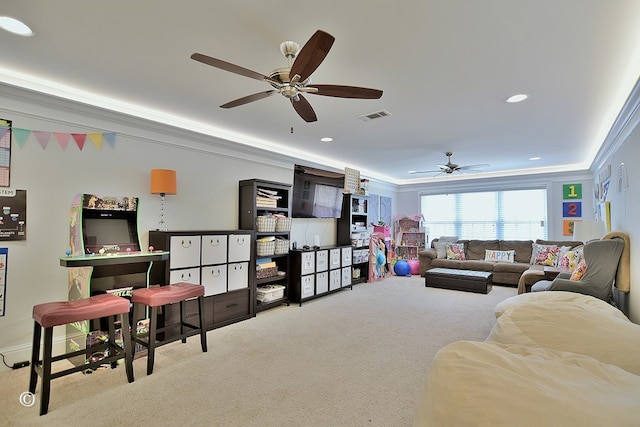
x: 21, y: 136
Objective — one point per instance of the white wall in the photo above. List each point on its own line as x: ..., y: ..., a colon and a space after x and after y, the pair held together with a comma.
x: 625, y: 208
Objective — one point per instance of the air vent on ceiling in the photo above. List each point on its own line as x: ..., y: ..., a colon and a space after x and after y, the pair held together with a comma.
x: 375, y: 115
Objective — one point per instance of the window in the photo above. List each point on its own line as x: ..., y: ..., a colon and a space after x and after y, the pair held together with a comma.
x: 504, y: 215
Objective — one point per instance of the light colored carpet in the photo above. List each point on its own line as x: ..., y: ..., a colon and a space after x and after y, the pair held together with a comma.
x: 355, y: 358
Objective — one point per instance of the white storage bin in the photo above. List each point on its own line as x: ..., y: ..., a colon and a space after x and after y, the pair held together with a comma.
x: 270, y: 293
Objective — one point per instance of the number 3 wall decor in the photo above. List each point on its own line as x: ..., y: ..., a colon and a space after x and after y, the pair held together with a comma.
x: 571, y: 209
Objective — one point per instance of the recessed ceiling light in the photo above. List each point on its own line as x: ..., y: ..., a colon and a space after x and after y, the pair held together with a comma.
x: 535, y: 158
x: 517, y: 98
x: 326, y: 139
x: 14, y: 26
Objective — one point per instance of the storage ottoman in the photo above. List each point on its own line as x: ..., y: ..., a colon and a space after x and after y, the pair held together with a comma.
x: 460, y: 280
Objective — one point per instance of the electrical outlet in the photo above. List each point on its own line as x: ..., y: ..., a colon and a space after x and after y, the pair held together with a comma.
x: 20, y: 365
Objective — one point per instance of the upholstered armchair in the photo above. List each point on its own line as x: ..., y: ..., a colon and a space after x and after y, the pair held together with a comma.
x: 607, y: 264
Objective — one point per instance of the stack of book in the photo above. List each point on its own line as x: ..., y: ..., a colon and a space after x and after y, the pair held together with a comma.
x: 267, y: 198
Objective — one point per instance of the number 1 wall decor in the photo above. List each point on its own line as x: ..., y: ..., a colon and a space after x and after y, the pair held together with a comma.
x: 571, y: 209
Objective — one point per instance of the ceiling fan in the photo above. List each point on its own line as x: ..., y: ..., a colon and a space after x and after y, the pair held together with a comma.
x: 293, y: 81
x: 450, y: 167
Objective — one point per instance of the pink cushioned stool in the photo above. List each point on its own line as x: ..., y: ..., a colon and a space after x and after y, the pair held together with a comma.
x: 160, y: 296
x: 51, y: 314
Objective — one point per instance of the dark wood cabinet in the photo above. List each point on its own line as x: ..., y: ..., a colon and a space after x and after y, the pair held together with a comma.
x: 264, y: 208
x: 318, y: 272
x: 218, y: 260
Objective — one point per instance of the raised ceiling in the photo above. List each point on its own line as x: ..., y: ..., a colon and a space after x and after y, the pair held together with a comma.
x: 446, y: 68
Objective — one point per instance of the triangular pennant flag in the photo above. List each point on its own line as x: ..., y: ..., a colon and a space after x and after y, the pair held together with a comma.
x: 3, y: 131
x: 110, y: 138
x: 62, y: 138
x: 79, y: 138
x: 42, y: 137
x: 20, y: 135
x: 96, y: 138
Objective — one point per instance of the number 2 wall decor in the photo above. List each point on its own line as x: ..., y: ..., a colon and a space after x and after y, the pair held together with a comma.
x: 571, y: 209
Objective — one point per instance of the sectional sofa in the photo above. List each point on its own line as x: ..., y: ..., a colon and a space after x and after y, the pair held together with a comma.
x: 509, y: 259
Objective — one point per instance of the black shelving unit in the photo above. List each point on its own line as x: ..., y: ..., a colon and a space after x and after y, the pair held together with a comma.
x: 251, y: 207
x: 352, y: 230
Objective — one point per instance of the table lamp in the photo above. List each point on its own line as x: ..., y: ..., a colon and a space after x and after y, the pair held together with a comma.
x: 163, y: 182
x: 584, y: 231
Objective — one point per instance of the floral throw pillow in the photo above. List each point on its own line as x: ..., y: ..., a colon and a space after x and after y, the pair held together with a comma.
x: 545, y: 254
x: 579, y: 271
x: 568, y: 259
x: 455, y: 251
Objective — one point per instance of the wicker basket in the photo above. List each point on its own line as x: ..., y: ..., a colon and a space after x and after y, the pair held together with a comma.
x: 282, y: 246
x: 266, y: 223
x: 263, y: 273
x: 283, y: 225
x: 265, y: 248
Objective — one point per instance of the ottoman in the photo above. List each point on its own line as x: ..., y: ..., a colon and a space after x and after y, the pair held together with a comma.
x: 459, y: 280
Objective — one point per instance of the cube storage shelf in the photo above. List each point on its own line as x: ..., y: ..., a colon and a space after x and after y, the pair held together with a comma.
x: 218, y: 260
x: 319, y: 272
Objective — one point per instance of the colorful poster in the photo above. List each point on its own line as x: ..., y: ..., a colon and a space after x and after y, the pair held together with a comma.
x: 13, y: 217
x: 5, y: 151
x: 4, y: 253
x: 571, y: 191
x: 572, y: 209
x: 567, y: 227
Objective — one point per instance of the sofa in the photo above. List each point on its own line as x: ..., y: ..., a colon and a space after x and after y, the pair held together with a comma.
x: 552, y: 358
x: 505, y: 272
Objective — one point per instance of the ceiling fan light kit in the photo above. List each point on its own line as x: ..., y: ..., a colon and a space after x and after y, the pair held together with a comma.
x: 294, y: 80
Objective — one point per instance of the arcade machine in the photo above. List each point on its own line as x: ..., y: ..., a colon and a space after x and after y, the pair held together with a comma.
x: 104, y: 257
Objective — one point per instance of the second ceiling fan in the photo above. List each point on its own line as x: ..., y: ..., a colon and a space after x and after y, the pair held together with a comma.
x: 293, y: 81
x: 451, y: 167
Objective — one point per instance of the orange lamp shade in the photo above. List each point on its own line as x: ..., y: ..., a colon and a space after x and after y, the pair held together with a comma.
x: 163, y: 181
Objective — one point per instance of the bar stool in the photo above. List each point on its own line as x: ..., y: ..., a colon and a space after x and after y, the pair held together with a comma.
x: 159, y: 296
x: 51, y: 314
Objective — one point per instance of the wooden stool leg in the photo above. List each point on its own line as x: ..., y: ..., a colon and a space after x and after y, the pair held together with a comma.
x: 128, y: 347
x: 35, y: 356
x: 153, y: 320
x: 182, y: 311
x: 46, y: 370
x: 203, y: 331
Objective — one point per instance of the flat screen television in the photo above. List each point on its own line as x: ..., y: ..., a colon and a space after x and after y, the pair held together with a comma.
x: 316, y: 193
x: 113, y: 231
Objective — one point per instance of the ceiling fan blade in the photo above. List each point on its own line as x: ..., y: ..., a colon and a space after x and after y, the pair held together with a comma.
x: 304, y: 109
x: 249, y: 98
x: 469, y: 167
x: 227, y: 66
x: 340, y: 91
x: 312, y: 54
x: 434, y: 171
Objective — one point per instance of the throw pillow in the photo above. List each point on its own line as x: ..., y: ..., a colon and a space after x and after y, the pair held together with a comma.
x: 455, y: 251
x: 441, y: 249
x: 568, y: 259
x: 502, y: 256
x: 544, y: 255
x: 579, y: 271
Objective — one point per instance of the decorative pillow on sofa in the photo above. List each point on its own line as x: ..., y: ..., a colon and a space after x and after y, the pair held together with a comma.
x: 569, y: 259
x: 544, y: 254
x: 579, y: 271
x: 455, y: 251
x: 441, y: 249
x: 502, y: 256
